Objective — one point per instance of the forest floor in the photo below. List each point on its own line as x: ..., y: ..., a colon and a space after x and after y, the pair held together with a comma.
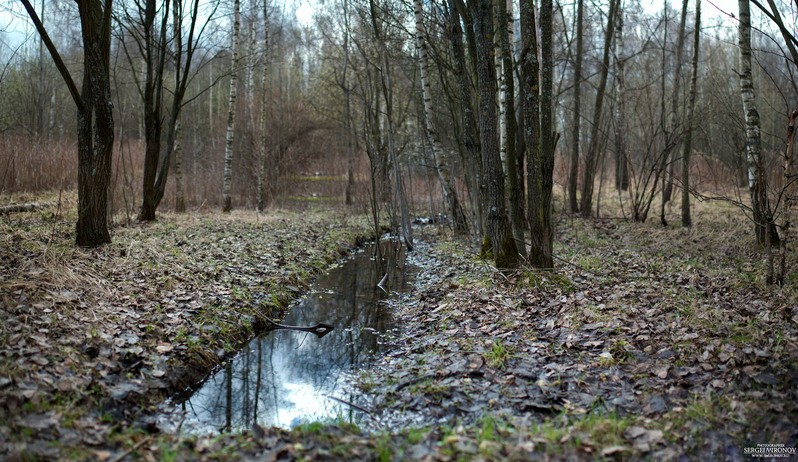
x: 646, y: 343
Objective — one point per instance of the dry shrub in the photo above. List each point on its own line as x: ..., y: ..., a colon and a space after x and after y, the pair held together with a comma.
x: 31, y: 164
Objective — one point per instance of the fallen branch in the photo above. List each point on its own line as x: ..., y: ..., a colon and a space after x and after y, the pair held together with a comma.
x: 29, y: 207
x: 320, y: 330
x: 343, y: 401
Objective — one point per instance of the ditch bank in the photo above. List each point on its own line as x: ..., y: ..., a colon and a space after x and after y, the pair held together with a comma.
x: 94, y: 338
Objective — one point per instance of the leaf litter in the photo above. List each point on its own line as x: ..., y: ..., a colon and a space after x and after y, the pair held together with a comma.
x: 648, y: 343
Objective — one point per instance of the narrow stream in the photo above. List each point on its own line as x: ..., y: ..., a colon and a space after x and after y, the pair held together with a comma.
x: 285, y: 378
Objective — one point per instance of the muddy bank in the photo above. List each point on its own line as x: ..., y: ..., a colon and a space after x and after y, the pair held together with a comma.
x: 93, y: 339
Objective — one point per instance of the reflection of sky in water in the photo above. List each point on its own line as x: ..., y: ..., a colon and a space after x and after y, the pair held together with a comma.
x: 284, y: 377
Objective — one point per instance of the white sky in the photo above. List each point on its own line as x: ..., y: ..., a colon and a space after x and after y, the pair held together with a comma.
x: 15, y: 28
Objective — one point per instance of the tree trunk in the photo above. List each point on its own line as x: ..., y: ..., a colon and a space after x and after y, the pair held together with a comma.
x: 456, y: 213
x: 668, y: 161
x: 180, y: 194
x: 530, y: 69
x: 154, y: 48
x: 573, y: 171
x: 688, y: 137
x: 757, y: 182
x: 789, y: 200
x: 541, y: 251
x: 503, y: 245
x: 227, y: 204
x: 516, y: 203
x: 586, y: 204
x: 621, y: 158
x: 387, y: 91
x: 95, y: 130
x: 262, y: 117
x: 470, y: 142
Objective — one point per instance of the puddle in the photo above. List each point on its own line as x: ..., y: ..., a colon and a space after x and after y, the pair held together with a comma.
x: 285, y: 378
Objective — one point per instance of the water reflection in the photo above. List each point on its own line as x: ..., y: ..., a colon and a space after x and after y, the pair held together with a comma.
x: 285, y: 377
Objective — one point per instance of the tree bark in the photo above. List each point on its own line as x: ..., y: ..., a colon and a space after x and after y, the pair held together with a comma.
x: 688, y: 137
x: 227, y: 204
x: 503, y: 245
x: 456, y: 213
x: 470, y: 142
x: 516, y: 203
x: 387, y: 91
x: 95, y: 127
x: 573, y: 170
x: 262, y: 117
x: 757, y: 182
x: 180, y: 194
x: 542, y: 234
x: 788, y: 163
x: 668, y: 161
x: 586, y: 203
x: 153, y: 44
x: 621, y: 157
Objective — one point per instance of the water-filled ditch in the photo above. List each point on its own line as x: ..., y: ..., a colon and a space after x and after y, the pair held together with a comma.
x: 285, y: 377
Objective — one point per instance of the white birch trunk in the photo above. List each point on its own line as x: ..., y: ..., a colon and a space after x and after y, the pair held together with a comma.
x: 441, y: 162
x: 231, y: 115
x: 756, y: 178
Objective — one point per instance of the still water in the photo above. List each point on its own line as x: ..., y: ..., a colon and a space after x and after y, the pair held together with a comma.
x: 285, y: 378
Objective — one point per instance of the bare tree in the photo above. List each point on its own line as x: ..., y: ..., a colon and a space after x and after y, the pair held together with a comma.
x: 95, y: 117
x: 456, y: 213
x: 757, y: 180
x: 468, y: 139
x: 688, y: 136
x: 505, y: 252
x: 542, y: 232
x: 670, y: 131
x: 231, y: 113
x: 386, y: 83
x: 264, y: 87
x: 591, y: 158
x: 621, y: 157
x: 573, y: 168
x: 512, y: 168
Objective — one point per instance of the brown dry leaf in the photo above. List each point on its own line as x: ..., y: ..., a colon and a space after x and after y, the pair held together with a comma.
x: 661, y: 371
x: 40, y: 360
x: 164, y: 347
x: 611, y: 450
x: 102, y: 454
x: 41, y: 421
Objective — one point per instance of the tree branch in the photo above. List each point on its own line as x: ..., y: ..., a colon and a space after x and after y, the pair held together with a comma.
x: 59, y: 63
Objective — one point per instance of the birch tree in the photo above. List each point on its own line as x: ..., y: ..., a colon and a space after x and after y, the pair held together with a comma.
x: 456, y: 213
x: 231, y: 114
x: 757, y: 181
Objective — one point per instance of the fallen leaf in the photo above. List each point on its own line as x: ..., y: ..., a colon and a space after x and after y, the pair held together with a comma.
x: 608, y: 451
x: 164, y: 348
